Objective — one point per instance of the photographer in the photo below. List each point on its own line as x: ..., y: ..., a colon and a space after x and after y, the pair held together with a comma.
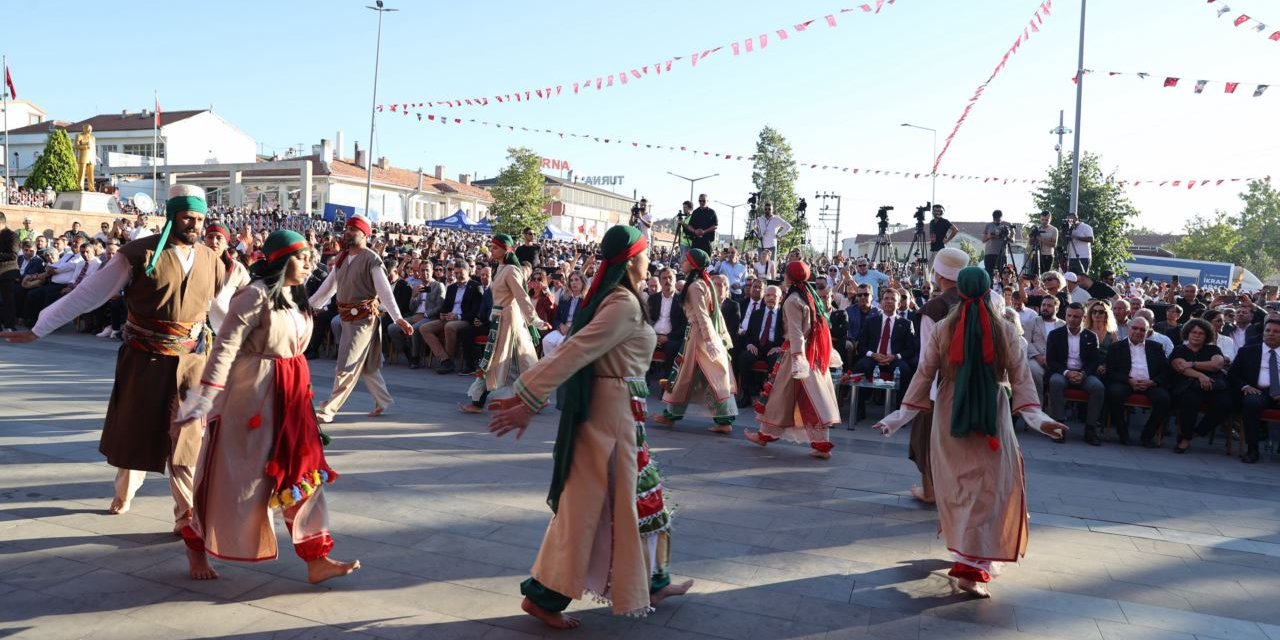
x: 1079, y: 244
x: 701, y: 225
x: 941, y: 231
x: 1044, y: 239
x: 769, y: 228
x: 996, y: 238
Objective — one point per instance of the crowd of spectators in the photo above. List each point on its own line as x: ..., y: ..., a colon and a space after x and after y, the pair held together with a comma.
x: 21, y: 196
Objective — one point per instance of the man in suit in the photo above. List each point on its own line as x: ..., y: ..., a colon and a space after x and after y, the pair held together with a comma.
x: 667, y: 316
x: 753, y: 302
x: 1256, y: 374
x: 1072, y: 357
x: 730, y: 308
x: 460, y: 308
x: 857, y: 314
x: 1036, y: 332
x: 1138, y: 366
x: 762, y: 340
x: 889, y: 342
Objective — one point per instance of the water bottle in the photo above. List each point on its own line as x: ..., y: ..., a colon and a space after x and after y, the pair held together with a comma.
x: 897, y: 377
x: 875, y: 375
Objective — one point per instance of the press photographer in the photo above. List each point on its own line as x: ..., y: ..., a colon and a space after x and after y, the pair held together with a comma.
x: 640, y: 218
x: 1079, y: 236
x: 996, y: 238
x: 941, y: 231
x: 1041, y: 244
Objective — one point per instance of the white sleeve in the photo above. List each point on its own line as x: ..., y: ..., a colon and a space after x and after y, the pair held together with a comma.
x: 785, y: 228
x: 96, y: 289
x: 385, y: 295
x: 327, y: 288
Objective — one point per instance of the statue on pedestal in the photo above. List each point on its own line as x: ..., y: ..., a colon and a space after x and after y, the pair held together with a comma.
x: 86, y: 156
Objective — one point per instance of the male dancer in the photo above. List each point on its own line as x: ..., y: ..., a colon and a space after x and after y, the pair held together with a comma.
x: 169, y: 280
x: 360, y: 282
x: 217, y: 237
x: 946, y: 265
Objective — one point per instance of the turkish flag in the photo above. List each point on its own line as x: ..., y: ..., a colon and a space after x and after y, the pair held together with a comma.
x: 8, y: 82
x: 1170, y: 82
x: 1231, y: 87
x: 1275, y: 36
x: 1241, y: 19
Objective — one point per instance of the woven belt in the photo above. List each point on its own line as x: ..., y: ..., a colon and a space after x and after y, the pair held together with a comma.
x: 165, y: 337
x: 357, y: 311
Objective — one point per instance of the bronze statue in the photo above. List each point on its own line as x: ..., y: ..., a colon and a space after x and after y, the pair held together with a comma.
x: 87, y: 153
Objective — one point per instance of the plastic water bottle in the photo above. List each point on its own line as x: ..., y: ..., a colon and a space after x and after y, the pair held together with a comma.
x: 875, y: 375
x: 897, y: 377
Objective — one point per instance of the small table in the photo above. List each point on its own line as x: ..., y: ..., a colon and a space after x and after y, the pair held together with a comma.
x: 890, y: 389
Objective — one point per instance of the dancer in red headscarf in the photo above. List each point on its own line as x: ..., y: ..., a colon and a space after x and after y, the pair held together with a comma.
x: 799, y: 399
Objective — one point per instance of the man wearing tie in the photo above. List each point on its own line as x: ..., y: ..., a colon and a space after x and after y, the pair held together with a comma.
x: 65, y: 275
x: 754, y: 302
x: 1138, y: 366
x: 889, y: 342
x: 1256, y: 373
x: 762, y: 340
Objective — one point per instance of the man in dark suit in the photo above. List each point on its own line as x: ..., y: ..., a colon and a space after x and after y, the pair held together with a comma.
x: 1256, y: 374
x: 1138, y: 366
x: 666, y: 315
x: 891, y: 351
x: 857, y: 314
x: 752, y: 302
x: 761, y: 341
x: 730, y: 308
x: 1072, y: 356
x: 9, y: 275
x: 459, y: 310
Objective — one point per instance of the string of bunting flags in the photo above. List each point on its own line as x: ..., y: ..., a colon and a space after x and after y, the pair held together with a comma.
x: 1198, y: 86
x: 1033, y: 26
x: 1001, y: 180
x: 633, y: 74
x: 1242, y: 19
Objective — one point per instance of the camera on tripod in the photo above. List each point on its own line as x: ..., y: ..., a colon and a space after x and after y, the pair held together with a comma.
x: 801, y: 207
x: 882, y: 218
x: 751, y: 202
x: 920, y: 211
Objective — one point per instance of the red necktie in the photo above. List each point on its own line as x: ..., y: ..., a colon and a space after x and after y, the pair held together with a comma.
x: 83, y: 270
x: 884, y: 336
x: 768, y: 325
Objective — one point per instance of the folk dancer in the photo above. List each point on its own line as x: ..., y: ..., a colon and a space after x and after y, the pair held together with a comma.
x: 218, y: 238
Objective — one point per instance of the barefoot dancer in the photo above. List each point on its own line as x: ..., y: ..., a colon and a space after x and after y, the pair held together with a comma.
x: 701, y: 368
x: 981, y: 491
x: 510, y: 349
x: 169, y: 280
x: 799, y: 402
x: 263, y: 448
x: 360, y: 282
x: 597, y: 542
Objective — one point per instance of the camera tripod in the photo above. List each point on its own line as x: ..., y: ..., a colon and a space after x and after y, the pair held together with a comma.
x: 880, y: 251
x: 919, y: 248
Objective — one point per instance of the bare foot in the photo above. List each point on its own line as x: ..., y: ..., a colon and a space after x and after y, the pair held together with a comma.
x: 821, y: 455
x: 670, y: 591
x: 721, y: 428
x: 118, y: 506
x: 918, y: 494
x: 377, y: 411
x: 323, y: 569
x: 467, y: 407
x: 977, y: 589
x: 550, y: 618
x: 663, y: 420
x: 200, y: 567
x: 754, y: 436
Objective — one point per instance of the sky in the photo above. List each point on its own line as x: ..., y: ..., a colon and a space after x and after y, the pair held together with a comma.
x: 291, y: 72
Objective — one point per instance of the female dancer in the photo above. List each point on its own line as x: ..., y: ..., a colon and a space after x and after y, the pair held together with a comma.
x: 702, y: 365
x: 977, y: 465
x: 510, y: 349
x: 263, y: 447
x: 609, y: 536
x: 799, y: 402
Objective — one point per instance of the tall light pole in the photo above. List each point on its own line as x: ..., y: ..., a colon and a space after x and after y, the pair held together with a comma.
x: 733, y: 215
x: 825, y: 215
x: 1060, y: 130
x: 1075, y: 153
x: 692, y: 181
x: 933, y: 177
x: 373, y: 109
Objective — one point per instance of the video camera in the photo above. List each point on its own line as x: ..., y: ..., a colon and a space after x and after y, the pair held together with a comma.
x: 751, y: 202
x: 920, y: 211
x: 882, y: 217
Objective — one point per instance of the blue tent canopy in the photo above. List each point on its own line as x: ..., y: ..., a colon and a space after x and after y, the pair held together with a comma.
x: 556, y: 233
x: 458, y: 220
x: 482, y: 226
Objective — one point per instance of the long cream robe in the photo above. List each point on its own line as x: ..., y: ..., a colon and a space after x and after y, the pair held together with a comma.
x: 232, y: 490
x: 783, y: 416
x: 514, y: 345
x: 593, y: 542
x: 697, y: 356
x: 981, y: 494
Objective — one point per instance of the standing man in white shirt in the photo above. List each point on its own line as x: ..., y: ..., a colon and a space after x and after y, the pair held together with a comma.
x: 1079, y: 244
x: 769, y: 228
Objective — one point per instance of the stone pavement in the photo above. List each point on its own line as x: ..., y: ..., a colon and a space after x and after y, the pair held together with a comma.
x: 1126, y: 543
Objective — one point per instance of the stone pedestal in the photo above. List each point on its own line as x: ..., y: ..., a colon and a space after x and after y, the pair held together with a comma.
x: 84, y: 201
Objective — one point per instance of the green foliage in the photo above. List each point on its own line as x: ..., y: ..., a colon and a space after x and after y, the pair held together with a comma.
x: 1250, y: 239
x: 1103, y: 205
x: 774, y: 175
x: 975, y: 253
x: 56, y: 167
x: 518, y: 197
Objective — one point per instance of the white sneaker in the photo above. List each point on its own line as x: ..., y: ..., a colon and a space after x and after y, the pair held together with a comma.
x: 106, y: 333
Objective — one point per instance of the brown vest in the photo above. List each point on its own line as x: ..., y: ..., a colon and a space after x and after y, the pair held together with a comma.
x: 355, y: 284
x: 941, y: 305
x: 168, y: 294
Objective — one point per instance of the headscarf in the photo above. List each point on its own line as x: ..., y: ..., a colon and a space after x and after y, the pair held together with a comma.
x: 699, y: 260
x: 818, y: 348
x: 359, y: 222
x: 503, y: 240
x: 226, y: 259
x: 620, y: 244
x: 973, y: 408
x: 281, y: 244
x: 182, y: 197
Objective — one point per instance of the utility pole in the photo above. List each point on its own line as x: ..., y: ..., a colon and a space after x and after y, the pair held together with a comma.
x: 825, y: 215
x: 733, y: 216
x: 373, y: 109
x: 1075, y: 154
x: 1059, y: 131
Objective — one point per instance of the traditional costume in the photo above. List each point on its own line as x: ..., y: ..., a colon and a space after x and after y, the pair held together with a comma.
x: 609, y: 536
x: 167, y: 295
x: 263, y: 448
x: 235, y: 279
x: 701, y: 369
x: 798, y: 402
x: 360, y: 282
x: 976, y: 460
x: 947, y: 264
x: 510, y: 349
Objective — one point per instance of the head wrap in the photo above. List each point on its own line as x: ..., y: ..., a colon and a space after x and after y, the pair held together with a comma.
x: 361, y: 223
x: 972, y: 349
x: 620, y: 244
x: 949, y: 262
x: 817, y: 350
x: 281, y: 244
x: 219, y: 229
x: 182, y: 197
x: 507, y: 244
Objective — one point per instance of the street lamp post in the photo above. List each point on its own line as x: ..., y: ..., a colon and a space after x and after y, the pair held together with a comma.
x: 825, y: 216
x: 1072, y: 207
x: 377, y: 56
x: 933, y: 177
x: 692, y: 181
x: 733, y: 215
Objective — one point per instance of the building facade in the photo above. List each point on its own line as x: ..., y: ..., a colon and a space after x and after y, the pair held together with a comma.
x: 581, y: 209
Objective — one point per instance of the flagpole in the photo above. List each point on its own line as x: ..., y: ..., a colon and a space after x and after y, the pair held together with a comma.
x: 155, y: 145
x: 4, y: 64
x: 1075, y: 154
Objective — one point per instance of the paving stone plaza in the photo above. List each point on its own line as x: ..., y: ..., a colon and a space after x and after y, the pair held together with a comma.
x: 1126, y: 543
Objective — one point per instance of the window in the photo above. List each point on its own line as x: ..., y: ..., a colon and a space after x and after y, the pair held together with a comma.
x: 143, y: 150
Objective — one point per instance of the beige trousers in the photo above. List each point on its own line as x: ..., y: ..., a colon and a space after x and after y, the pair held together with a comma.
x: 181, y: 483
x: 359, y: 359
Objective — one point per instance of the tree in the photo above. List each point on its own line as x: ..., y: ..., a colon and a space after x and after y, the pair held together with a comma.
x: 518, y: 198
x: 1210, y: 239
x: 774, y: 175
x: 56, y: 167
x: 975, y: 253
x: 1103, y: 205
x: 1250, y: 239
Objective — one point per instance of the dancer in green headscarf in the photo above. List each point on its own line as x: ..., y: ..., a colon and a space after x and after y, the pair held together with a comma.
x: 603, y: 485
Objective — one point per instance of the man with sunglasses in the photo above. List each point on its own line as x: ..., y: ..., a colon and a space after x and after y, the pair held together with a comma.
x: 857, y: 314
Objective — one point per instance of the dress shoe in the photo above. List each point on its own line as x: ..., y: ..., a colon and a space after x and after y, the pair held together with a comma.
x: 413, y: 364
x: 1251, y: 456
x: 1091, y: 437
x: 106, y: 333
x: 445, y: 367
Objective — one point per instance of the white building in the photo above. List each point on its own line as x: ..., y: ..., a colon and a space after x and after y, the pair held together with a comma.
x: 581, y: 209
